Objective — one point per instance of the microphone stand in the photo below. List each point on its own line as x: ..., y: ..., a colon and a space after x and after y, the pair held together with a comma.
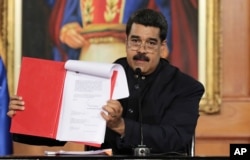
x: 141, y: 150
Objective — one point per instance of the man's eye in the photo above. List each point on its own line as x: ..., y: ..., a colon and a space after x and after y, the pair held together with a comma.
x: 134, y: 40
x: 152, y: 43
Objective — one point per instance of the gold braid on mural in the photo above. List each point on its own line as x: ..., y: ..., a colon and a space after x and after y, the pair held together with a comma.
x: 111, y: 10
x: 88, y: 10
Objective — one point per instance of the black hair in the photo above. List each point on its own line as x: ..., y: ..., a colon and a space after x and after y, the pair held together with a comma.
x: 149, y: 17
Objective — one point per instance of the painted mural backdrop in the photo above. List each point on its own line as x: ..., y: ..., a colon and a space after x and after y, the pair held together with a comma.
x: 49, y: 25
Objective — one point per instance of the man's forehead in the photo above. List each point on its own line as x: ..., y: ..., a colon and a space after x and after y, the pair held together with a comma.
x: 144, y: 32
x: 148, y: 39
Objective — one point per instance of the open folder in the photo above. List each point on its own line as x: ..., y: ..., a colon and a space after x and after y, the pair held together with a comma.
x: 63, y: 100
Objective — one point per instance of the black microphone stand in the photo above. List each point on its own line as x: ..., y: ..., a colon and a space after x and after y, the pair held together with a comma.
x: 141, y: 150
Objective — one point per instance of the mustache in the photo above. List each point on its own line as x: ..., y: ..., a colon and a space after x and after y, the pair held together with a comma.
x: 141, y: 57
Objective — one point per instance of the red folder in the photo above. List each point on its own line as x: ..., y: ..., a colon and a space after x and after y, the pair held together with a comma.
x: 41, y: 85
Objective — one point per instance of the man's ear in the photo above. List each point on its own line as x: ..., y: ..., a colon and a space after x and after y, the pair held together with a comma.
x: 164, y: 50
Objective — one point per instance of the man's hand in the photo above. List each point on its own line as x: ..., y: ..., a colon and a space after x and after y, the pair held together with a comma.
x: 114, y: 117
x: 16, y: 104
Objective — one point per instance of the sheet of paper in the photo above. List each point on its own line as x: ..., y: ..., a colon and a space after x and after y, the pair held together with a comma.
x: 104, y: 70
x: 96, y: 69
x: 82, y: 103
x: 121, y: 85
x: 92, y: 152
x: 87, y: 88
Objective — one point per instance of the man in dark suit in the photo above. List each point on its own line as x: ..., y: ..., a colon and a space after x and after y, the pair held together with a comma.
x: 163, y: 101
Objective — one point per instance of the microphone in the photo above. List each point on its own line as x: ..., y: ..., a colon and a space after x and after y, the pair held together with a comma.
x: 141, y: 150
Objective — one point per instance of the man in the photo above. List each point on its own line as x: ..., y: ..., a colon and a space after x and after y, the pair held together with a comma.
x: 163, y: 100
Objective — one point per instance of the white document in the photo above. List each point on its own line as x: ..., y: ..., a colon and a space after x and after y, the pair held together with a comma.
x: 107, y: 152
x: 87, y: 88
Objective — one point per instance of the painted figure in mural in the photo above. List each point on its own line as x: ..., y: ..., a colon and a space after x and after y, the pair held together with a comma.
x: 93, y: 30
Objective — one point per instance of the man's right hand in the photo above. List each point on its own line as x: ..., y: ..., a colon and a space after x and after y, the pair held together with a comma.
x: 16, y: 104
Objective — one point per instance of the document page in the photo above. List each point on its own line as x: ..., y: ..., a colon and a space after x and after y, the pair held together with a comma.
x: 87, y: 88
x: 107, y: 152
x: 104, y: 70
x: 82, y: 102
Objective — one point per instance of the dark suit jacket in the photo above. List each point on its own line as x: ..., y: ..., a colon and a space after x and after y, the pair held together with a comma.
x: 169, y: 102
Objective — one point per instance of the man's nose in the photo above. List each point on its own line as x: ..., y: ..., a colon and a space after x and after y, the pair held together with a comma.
x: 142, y: 47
